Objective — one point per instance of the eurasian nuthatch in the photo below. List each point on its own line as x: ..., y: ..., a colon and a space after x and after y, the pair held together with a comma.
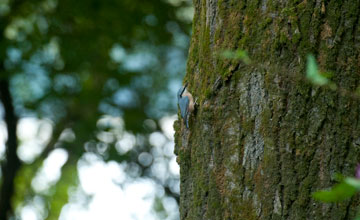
x: 186, y: 104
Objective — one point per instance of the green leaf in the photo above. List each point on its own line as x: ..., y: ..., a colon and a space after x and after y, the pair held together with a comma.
x: 353, y: 182
x: 227, y: 54
x: 313, y: 74
x: 339, y: 192
x: 236, y: 55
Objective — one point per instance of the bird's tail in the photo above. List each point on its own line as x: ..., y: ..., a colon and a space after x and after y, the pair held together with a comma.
x: 186, y: 121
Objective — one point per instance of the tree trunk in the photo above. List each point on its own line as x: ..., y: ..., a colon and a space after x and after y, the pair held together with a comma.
x: 12, y: 163
x: 263, y: 139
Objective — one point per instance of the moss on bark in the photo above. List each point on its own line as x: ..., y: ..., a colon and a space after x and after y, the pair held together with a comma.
x: 263, y: 139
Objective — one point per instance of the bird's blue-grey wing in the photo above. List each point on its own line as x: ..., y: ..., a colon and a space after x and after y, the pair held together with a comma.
x: 183, y: 104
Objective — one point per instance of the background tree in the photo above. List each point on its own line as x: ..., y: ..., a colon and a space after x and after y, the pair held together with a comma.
x: 263, y: 138
x: 93, y: 73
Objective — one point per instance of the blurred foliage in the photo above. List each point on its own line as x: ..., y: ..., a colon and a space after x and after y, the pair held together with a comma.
x: 345, y: 189
x: 101, y: 72
x: 236, y: 55
x: 316, y: 77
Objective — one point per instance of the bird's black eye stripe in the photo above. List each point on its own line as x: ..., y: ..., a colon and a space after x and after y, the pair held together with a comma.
x: 182, y: 91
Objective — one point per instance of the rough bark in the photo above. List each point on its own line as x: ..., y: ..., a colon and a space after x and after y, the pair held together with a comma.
x: 263, y: 139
